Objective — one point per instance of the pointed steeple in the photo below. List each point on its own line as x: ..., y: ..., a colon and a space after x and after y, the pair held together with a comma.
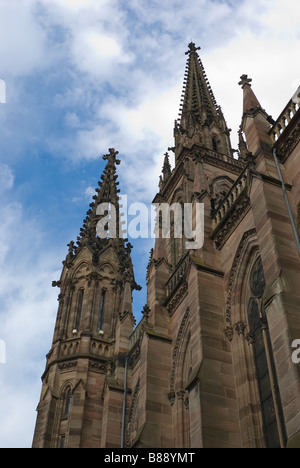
x: 250, y: 101
x: 201, y: 120
x: 107, y: 195
x: 198, y: 102
x: 166, y: 170
x: 93, y: 328
x: 255, y: 126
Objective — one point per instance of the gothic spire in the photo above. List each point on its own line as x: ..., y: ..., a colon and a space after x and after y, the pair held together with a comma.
x: 250, y: 101
x: 198, y: 98
x: 166, y: 170
x: 201, y: 120
x: 105, y: 207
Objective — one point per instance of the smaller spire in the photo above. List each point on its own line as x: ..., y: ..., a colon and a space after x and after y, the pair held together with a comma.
x: 245, y: 154
x: 250, y: 100
x: 166, y: 170
x: 107, y: 192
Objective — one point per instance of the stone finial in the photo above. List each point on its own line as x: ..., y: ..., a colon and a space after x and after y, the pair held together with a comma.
x: 245, y: 81
x: 111, y: 157
x: 192, y: 48
x: 146, y: 311
x: 166, y: 170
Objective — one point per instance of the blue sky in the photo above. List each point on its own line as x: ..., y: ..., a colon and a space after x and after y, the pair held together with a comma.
x: 85, y: 75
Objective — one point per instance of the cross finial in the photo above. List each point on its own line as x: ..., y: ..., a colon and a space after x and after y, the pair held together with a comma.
x: 111, y: 157
x: 192, y: 48
x: 245, y: 81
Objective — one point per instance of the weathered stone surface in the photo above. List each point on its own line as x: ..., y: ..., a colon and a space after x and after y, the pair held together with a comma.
x: 215, y: 340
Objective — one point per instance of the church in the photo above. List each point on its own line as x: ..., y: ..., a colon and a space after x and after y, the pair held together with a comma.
x: 210, y: 363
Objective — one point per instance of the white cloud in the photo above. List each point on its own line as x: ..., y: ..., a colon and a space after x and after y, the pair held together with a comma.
x: 125, y: 64
x: 72, y: 120
x: 97, y: 54
x: 6, y: 178
x: 28, y: 307
x: 2, y: 92
x: 22, y: 40
x: 268, y: 57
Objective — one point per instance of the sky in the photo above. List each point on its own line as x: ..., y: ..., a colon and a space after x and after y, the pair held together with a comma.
x: 82, y: 76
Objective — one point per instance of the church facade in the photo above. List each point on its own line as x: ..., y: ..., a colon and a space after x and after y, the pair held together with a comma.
x: 210, y: 363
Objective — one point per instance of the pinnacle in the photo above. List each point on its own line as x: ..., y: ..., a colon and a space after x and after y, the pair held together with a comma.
x: 250, y: 100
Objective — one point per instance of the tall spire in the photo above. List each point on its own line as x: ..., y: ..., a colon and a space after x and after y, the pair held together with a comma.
x: 198, y: 98
x: 201, y: 120
x: 256, y: 127
x: 250, y: 101
x: 108, y: 194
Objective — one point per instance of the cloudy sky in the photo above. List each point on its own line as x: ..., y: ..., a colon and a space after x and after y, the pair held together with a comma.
x: 85, y: 75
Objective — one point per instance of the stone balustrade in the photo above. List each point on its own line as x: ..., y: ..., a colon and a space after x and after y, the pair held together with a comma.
x: 136, y: 334
x: 230, y: 199
x: 70, y: 347
x: 100, y: 348
x: 284, y: 120
x: 177, y: 276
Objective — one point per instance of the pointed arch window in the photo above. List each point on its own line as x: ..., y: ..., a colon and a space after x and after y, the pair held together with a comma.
x: 176, y: 231
x: 62, y: 443
x: 101, y: 310
x: 214, y: 143
x: 259, y: 337
x: 79, y: 309
x: 67, y: 404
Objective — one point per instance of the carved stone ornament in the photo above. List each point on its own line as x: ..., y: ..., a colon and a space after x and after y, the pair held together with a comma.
x: 180, y: 394
x: 177, y: 299
x: 240, y: 328
x: 229, y: 333
x: 101, y: 367
x: 171, y: 397
x: 67, y: 366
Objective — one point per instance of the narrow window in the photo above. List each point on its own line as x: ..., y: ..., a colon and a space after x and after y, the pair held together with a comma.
x: 100, y: 319
x: 270, y: 401
x: 214, y: 144
x: 67, y: 402
x: 79, y: 309
x: 62, y: 442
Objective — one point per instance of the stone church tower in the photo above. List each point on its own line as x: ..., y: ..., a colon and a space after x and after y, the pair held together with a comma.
x: 210, y: 363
